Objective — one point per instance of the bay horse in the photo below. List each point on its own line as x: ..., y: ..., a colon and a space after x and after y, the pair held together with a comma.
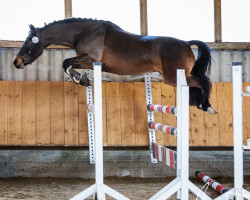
x: 123, y: 53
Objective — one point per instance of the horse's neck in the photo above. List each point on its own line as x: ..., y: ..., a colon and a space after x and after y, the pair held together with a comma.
x: 61, y: 34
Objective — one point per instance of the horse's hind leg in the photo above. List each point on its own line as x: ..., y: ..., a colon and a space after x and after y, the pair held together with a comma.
x: 200, y: 94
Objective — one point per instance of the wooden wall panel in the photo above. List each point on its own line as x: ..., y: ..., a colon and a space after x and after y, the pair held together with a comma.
x: 83, y: 118
x: 113, y: 114
x: 4, y: 112
x: 29, y: 113
x: 15, y: 102
x: 224, y: 100
x: 198, y: 132
x: 141, y: 119
x: 54, y: 113
x: 71, y: 113
x: 43, y: 113
x: 57, y: 113
x: 104, y: 115
x: 212, y: 121
x: 168, y: 98
x: 127, y: 114
x: 156, y: 96
x: 246, y: 115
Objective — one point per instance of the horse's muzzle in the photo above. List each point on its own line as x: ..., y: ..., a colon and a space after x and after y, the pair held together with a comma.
x: 18, y: 62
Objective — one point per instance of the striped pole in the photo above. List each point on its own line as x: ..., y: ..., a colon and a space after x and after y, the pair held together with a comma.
x: 165, y: 155
x: 163, y: 128
x: 162, y: 109
x: 212, y: 183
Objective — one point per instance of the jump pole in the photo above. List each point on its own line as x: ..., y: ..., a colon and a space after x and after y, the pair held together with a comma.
x: 99, y: 187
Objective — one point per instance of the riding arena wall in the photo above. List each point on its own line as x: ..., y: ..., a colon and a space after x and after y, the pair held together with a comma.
x: 43, y: 115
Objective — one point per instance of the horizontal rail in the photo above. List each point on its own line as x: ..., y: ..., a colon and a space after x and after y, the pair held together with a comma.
x: 162, y: 109
x: 163, y: 128
x: 165, y: 155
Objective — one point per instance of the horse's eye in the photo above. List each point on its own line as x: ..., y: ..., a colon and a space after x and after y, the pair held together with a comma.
x: 35, y: 39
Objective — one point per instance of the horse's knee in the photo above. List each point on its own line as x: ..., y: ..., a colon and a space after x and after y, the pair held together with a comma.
x: 66, y: 64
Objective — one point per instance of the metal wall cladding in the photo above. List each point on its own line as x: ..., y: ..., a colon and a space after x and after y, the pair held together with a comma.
x: 48, y: 67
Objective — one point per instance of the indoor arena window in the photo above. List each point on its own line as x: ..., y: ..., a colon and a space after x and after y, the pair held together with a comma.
x: 16, y: 15
x: 124, y: 13
x: 187, y: 20
x: 235, y: 20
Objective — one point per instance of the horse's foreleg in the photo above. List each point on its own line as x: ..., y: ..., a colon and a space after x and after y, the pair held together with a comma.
x: 79, y: 62
x: 83, y: 62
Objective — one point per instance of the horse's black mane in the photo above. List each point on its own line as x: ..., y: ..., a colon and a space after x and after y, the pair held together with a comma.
x: 75, y: 20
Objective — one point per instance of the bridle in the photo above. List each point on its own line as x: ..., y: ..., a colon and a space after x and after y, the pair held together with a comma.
x: 26, y: 57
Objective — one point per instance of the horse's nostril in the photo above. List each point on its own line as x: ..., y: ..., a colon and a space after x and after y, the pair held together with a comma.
x: 15, y: 62
x: 18, y: 62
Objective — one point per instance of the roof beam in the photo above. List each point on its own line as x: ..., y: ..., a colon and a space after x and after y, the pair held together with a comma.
x: 68, y: 8
x: 143, y: 17
x: 217, y: 21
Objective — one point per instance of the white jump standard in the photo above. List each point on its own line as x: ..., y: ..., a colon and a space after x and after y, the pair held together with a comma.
x: 181, y: 184
x: 99, y: 187
x: 91, y: 129
x: 238, y: 192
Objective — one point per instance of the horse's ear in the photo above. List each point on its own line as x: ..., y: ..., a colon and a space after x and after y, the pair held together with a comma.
x: 32, y: 29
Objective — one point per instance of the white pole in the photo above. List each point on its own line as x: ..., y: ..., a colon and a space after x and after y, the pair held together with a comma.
x: 237, y: 126
x: 98, y: 130
x: 184, y: 142
x: 181, y: 81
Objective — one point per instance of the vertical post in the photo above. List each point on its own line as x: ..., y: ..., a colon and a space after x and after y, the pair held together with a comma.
x: 98, y: 130
x: 217, y: 21
x: 237, y: 126
x: 149, y: 100
x: 181, y: 80
x: 143, y: 17
x: 184, y: 142
x: 91, y: 129
x: 68, y: 8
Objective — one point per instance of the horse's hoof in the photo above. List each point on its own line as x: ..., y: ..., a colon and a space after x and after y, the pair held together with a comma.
x: 85, y: 80
x: 212, y: 110
x: 82, y: 80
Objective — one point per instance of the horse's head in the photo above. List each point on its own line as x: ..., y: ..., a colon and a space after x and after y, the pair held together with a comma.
x: 31, y: 49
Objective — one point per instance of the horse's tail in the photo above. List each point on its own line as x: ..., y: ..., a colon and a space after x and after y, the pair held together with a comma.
x: 201, y: 70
